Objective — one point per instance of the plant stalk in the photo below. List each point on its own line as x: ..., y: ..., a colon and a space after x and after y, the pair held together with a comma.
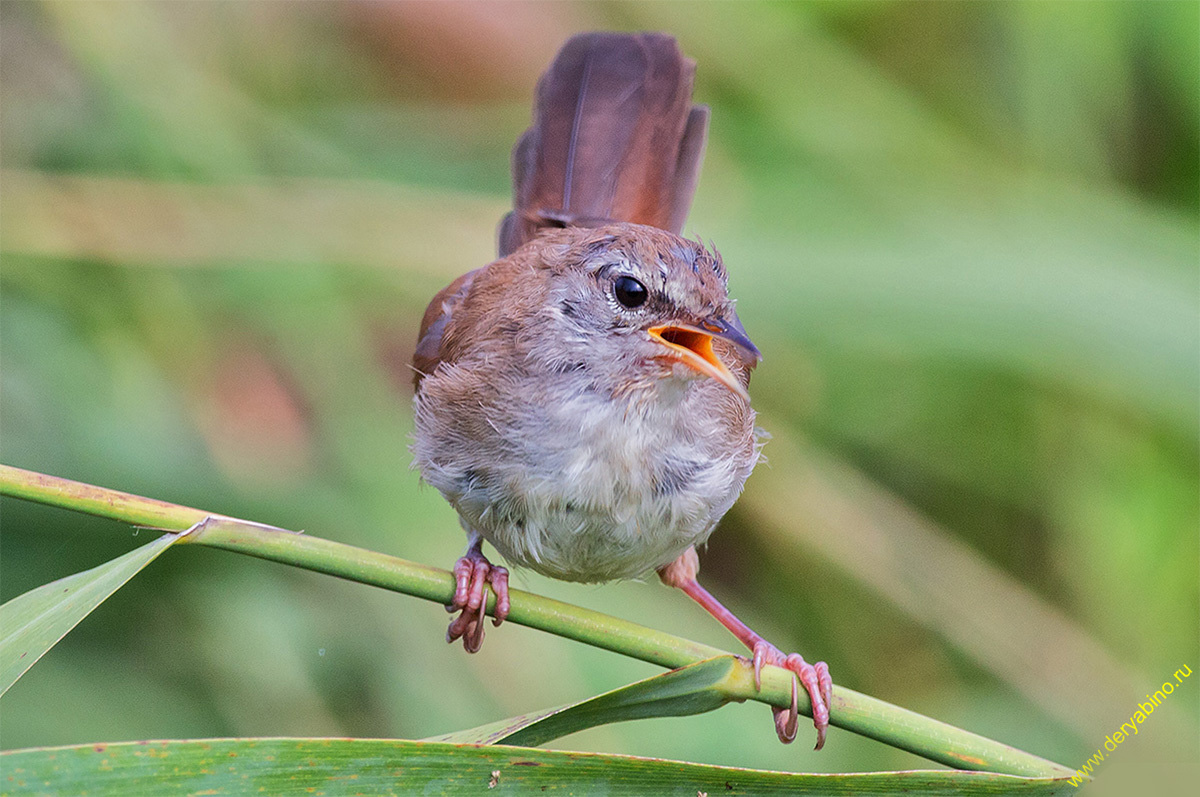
x: 853, y: 711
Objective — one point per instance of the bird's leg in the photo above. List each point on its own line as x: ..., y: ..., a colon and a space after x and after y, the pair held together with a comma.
x: 815, y: 677
x: 472, y: 573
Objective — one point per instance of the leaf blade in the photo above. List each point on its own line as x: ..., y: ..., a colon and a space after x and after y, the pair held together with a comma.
x: 695, y: 689
x: 388, y: 766
x: 34, y: 622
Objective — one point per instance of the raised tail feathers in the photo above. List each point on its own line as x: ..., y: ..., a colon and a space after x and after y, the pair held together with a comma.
x: 615, y: 137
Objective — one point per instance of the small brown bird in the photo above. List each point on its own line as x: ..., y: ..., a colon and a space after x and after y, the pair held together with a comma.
x: 581, y: 402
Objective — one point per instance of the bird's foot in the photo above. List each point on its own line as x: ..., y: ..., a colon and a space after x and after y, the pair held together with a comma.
x: 816, y: 681
x: 472, y: 574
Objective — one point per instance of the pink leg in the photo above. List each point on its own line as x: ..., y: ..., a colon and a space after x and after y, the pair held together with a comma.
x: 815, y: 677
x: 472, y: 574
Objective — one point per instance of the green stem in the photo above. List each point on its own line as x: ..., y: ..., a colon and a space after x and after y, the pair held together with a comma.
x: 851, y: 710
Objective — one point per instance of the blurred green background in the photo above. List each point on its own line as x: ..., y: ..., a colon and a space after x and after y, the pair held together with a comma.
x: 964, y: 235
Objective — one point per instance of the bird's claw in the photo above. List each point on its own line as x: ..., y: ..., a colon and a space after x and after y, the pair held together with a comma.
x: 816, y: 681
x: 472, y: 574
x: 787, y: 720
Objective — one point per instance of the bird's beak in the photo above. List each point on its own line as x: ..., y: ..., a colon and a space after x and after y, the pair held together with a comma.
x: 692, y: 346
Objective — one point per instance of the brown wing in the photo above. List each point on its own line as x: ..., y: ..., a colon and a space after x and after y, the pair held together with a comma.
x: 433, y: 326
x: 615, y: 137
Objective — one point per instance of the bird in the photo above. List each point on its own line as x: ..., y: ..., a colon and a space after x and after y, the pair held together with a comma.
x: 582, y: 401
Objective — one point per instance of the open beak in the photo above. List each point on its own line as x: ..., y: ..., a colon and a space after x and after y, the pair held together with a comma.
x: 692, y: 346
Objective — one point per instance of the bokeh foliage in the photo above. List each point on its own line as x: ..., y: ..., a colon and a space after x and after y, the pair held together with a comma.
x: 964, y: 234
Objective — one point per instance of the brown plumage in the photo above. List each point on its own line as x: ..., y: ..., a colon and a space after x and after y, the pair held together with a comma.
x: 615, y: 137
x: 582, y: 401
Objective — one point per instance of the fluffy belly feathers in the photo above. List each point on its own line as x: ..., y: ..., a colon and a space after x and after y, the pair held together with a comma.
x: 585, y: 489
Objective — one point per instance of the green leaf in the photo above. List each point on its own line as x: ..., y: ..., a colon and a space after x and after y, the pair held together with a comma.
x: 383, y: 766
x: 32, y: 623
x: 851, y: 710
x: 694, y: 689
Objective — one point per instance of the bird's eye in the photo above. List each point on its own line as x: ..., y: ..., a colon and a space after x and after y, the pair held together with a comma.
x: 630, y: 292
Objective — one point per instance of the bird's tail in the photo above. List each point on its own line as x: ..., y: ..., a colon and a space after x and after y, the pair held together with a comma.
x: 615, y: 137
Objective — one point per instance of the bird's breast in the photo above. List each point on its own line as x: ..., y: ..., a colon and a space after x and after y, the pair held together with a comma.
x: 580, y: 486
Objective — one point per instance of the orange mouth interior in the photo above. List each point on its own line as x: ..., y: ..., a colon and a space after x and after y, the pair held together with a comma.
x: 693, y: 347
